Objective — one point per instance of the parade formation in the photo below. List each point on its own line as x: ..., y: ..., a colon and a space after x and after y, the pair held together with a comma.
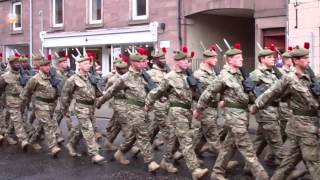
x: 185, y: 105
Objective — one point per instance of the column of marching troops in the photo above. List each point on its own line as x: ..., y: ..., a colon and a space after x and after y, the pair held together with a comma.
x: 186, y: 106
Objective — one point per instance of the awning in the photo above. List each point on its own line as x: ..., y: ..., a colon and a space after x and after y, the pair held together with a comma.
x: 125, y: 35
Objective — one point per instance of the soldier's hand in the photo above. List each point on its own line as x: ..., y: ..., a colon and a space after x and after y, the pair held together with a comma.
x: 98, y: 104
x: 147, y: 108
x: 221, y: 104
x: 196, y: 114
x: 253, y: 109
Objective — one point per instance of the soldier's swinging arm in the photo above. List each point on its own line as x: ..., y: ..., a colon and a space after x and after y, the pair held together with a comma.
x: 158, y: 92
x: 209, y: 93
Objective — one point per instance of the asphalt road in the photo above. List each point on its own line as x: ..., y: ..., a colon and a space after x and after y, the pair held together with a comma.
x: 16, y: 165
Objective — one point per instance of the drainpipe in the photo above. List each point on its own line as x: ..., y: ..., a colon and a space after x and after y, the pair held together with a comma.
x: 179, y: 24
x: 30, y: 29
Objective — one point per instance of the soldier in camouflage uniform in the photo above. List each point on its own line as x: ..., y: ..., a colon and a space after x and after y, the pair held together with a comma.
x: 175, y: 86
x: 3, y: 69
x: 209, y: 129
x: 268, y: 132
x: 79, y: 88
x: 285, y: 113
x: 45, y: 96
x: 11, y: 88
x: 161, y: 107
x: 303, y: 141
x: 135, y: 128
x: 235, y: 104
x: 118, y: 105
x: 63, y: 73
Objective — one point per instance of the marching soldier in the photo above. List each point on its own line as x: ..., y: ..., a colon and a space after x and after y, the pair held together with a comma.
x: 45, y: 95
x: 11, y: 88
x: 268, y: 132
x: 285, y: 113
x: 301, y: 91
x: 79, y: 88
x: 118, y: 105
x: 209, y: 129
x: 235, y: 105
x: 161, y: 107
x: 135, y: 129
x: 63, y: 73
x: 175, y: 86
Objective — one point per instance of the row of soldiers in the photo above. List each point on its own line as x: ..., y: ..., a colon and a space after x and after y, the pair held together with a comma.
x: 287, y: 100
x: 186, y: 106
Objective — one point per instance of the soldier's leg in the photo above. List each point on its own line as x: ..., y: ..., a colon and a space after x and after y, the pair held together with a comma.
x: 15, y: 118
x: 87, y: 130
x: 113, y: 128
x: 259, y: 142
x: 245, y: 146
x: 310, y: 149
x: 184, y: 135
x: 49, y: 127
x: 142, y: 135
x: 291, y: 157
x: 210, y: 130
x: 32, y: 116
x: 272, y: 134
x: 159, y: 123
x: 226, y: 152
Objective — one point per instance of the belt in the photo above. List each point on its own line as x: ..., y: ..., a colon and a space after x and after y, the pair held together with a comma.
x: 274, y: 104
x: 310, y: 113
x: 213, y: 104
x: 90, y: 103
x: 119, y: 97
x: 136, y: 102
x: 181, y: 105
x: 13, y: 94
x: 236, y: 105
x: 46, y: 100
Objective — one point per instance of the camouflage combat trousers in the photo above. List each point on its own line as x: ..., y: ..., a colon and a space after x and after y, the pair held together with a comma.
x: 297, y: 149
x: 180, y: 119
x: 135, y: 130
x: 85, y: 115
x: 285, y: 114
x: 15, y: 118
x: 269, y: 132
x: 163, y: 124
x: 43, y: 114
x: 119, y: 114
x: 58, y: 115
x: 160, y: 122
x: 208, y: 132
x: 237, y: 138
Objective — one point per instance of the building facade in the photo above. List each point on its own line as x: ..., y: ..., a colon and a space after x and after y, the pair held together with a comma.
x: 109, y: 27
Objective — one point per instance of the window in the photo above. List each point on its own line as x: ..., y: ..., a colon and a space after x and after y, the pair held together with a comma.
x: 57, y: 13
x: 16, y: 16
x: 95, y: 11
x: 140, y: 9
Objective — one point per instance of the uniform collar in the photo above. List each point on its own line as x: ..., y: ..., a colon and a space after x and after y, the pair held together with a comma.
x: 131, y: 69
x: 205, y: 68
x: 14, y: 72
x: 158, y: 68
x: 43, y: 76
x: 84, y: 77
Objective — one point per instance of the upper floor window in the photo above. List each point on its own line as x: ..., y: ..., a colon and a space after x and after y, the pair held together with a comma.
x: 95, y: 11
x: 140, y: 9
x: 57, y: 13
x: 16, y: 16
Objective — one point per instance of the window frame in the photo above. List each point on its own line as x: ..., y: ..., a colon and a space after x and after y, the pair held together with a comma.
x: 91, y: 21
x: 134, y: 6
x: 14, y: 4
x: 54, y: 14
